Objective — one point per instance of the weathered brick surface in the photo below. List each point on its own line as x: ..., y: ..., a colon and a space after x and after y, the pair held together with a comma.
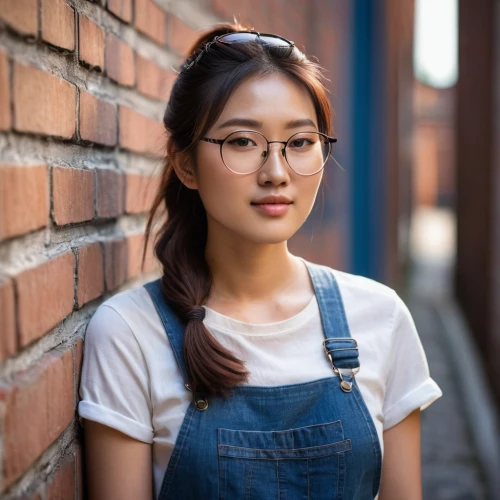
x: 38, y: 407
x: 62, y: 486
x: 140, y: 192
x: 153, y: 80
x: 5, y: 115
x: 121, y: 9
x: 78, y: 362
x: 115, y: 263
x: 98, y: 120
x: 120, y: 61
x: 91, y: 43
x: 21, y: 15
x: 8, y: 341
x: 180, y: 35
x: 58, y: 23
x: 45, y: 296
x: 52, y: 115
x: 24, y: 199
x: 36, y: 496
x: 110, y: 193
x: 139, y: 133
x: 72, y: 194
x: 90, y: 273
x: 150, y: 19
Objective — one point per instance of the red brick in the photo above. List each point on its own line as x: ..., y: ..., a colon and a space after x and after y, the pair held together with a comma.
x: 58, y: 24
x: 115, y: 263
x: 139, y: 133
x: 140, y: 193
x: 21, y: 15
x: 45, y: 296
x: 152, y: 80
x: 8, y: 342
x: 121, y: 9
x: 97, y: 120
x: 24, y: 199
x: 150, y: 19
x: 90, y: 273
x: 110, y: 193
x: 72, y: 194
x: 39, y: 405
x: 135, y: 245
x: 119, y: 61
x: 62, y: 486
x: 52, y: 115
x: 180, y: 36
x: 5, y: 117
x: 91, y: 43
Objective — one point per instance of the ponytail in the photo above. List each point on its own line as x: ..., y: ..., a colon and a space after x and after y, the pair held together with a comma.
x: 186, y: 284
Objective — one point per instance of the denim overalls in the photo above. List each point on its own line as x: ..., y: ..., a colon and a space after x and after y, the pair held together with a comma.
x: 314, y: 440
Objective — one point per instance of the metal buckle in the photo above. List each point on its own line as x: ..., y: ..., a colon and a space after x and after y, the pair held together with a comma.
x: 345, y: 385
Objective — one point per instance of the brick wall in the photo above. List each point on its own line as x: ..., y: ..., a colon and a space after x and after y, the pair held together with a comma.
x: 83, y: 87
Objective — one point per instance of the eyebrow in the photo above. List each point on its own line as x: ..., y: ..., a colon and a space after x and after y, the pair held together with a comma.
x: 248, y: 122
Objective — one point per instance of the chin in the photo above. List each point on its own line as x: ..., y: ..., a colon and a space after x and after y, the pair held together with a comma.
x: 269, y: 236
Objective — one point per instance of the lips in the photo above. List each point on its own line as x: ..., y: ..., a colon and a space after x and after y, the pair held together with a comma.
x: 272, y: 205
x: 273, y: 200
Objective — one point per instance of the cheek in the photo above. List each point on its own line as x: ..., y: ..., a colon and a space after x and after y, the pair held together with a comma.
x: 220, y: 189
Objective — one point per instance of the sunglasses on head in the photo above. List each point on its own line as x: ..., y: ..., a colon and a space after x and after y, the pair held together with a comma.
x: 267, y: 39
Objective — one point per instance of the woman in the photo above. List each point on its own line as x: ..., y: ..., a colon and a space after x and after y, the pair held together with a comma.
x: 235, y: 375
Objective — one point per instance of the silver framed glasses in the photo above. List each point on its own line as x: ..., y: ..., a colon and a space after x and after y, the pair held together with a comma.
x: 245, y: 151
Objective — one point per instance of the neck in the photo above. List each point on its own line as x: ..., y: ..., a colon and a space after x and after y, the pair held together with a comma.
x: 246, y: 271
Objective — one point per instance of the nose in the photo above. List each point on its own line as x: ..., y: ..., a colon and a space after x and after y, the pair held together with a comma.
x: 275, y: 169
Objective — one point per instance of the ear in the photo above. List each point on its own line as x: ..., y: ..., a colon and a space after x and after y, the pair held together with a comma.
x: 184, y: 168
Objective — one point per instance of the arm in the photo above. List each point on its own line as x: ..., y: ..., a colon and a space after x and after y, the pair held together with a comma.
x: 401, y: 473
x: 116, y: 465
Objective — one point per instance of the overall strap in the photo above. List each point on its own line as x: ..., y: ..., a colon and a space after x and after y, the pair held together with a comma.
x: 171, y: 322
x: 340, y: 347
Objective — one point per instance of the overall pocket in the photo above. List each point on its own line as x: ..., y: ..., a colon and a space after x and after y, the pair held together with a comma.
x: 306, y: 462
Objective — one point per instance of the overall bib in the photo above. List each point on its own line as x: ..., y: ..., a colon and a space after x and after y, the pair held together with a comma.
x: 314, y: 440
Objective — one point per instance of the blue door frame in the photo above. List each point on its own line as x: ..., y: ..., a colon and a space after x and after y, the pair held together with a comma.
x: 368, y: 151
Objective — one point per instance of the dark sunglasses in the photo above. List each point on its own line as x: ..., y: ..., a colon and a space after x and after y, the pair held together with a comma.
x: 267, y: 39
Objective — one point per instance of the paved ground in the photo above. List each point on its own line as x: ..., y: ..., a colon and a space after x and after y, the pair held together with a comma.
x: 451, y: 465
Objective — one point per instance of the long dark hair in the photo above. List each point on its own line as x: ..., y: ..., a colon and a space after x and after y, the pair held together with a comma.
x: 197, y: 99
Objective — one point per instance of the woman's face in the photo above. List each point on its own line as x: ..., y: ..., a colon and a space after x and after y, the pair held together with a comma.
x: 276, y: 107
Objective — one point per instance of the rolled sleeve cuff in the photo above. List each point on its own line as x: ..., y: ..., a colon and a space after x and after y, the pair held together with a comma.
x: 421, y: 397
x: 105, y: 416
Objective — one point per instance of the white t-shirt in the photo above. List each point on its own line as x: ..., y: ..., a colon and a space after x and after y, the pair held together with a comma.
x: 131, y: 382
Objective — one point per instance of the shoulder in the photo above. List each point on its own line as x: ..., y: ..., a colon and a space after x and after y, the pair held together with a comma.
x: 362, y: 294
x: 122, y: 318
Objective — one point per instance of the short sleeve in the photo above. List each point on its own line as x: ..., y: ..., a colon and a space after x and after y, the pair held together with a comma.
x: 409, y: 385
x: 114, y: 386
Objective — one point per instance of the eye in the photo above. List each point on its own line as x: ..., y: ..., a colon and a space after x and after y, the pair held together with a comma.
x: 242, y: 142
x: 300, y: 143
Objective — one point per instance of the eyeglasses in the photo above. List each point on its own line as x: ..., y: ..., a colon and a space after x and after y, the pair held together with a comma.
x: 245, y: 151
x: 267, y: 39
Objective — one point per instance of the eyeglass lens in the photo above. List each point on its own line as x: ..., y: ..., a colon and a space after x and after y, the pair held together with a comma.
x: 270, y: 40
x: 245, y: 152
